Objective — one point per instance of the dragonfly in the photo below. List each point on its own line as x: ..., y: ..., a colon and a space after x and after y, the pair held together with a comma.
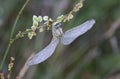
x: 65, y: 38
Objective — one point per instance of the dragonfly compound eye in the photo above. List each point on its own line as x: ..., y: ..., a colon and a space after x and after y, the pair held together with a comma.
x: 56, y: 25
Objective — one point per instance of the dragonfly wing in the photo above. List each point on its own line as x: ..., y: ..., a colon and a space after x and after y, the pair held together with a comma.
x: 44, y: 54
x: 70, y: 35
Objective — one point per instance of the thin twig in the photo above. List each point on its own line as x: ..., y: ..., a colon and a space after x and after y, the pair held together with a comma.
x: 112, y: 29
x: 12, y: 33
x: 24, y: 68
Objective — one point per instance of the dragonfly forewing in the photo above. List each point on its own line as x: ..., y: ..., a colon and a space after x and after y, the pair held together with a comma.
x: 70, y: 35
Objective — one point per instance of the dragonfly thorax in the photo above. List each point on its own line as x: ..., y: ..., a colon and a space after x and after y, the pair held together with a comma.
x: 57, y: 30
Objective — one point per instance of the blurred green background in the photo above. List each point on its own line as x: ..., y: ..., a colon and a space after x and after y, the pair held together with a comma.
x: 94, y: 55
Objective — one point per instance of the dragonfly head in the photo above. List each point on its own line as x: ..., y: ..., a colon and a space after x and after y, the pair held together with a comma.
x: 56, y: 25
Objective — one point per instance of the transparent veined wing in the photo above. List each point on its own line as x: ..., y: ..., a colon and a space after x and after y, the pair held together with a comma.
x: 44, y: 54
x: 70, y: 35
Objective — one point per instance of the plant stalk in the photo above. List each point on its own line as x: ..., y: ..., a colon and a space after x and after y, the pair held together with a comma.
x: 12, y: 33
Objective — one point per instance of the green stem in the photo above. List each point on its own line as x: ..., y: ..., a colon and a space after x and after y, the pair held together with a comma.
x: 12, y: 33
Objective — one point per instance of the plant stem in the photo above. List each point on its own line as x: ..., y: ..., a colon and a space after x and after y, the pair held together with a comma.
x: 12, y: 33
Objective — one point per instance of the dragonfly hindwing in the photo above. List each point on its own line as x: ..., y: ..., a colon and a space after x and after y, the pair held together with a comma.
x: 44, y: 54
